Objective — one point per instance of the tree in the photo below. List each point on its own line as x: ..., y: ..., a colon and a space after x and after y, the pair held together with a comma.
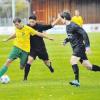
x: 22, y: 8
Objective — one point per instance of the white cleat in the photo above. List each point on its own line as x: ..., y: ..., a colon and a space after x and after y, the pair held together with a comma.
x: 75, y: 83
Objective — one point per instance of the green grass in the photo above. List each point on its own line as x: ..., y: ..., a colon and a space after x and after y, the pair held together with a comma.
x: 42, y: 85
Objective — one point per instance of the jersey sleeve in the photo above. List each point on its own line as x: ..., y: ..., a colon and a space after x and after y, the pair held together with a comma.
x: 85, y: 36
x: 46, y: 27
x: 33, y: 31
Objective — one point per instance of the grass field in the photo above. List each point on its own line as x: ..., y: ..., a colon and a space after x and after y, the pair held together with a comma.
x: 42, y: 85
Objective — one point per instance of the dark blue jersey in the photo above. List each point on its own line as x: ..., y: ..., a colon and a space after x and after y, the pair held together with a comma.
x: 77, y: 35
x: 37, y: 42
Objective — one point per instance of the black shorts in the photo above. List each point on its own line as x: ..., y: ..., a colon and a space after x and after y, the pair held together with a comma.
x: 80, y: 52
x: 42, y: 54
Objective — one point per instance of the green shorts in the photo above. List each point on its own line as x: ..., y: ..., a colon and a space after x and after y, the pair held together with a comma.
x: 19, y: 53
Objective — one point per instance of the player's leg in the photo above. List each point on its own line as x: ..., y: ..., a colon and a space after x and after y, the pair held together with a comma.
x: 23, y: 59
x: 89, y: 66
x: 31, y: 58
x: 74, y: 60
x: 44, y: 56
x: 86, y: 63
x: 49, y: 65
x: 5, y: 67
x: 13, y: 55
x: 27, y: 67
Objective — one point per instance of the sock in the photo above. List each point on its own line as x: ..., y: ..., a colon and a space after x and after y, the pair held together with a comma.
x: 26, y: 71
x: 95, y: 68
x: 76, y: 71
x: 50, y: 67
x: 3, y: 70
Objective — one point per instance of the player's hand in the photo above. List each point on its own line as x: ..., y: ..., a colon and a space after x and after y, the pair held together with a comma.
x: 51, y: 39
x: 62, y: 43
x: 59, y: 16
x: 88, y: 50
x: 65, y: 41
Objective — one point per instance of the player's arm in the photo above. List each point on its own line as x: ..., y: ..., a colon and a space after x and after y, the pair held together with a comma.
x: 12, y: 36
x: 86, y: 39
x: 57, y: 20
x: 43, y: 35
x: 46, y: 27
x: 85, y: 36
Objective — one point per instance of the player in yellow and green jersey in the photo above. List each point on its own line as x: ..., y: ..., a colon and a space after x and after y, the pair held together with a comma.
x: 77, y: 19
x: 21, y: 46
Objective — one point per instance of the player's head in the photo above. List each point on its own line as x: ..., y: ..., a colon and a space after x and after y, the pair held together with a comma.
x: 77, y: 13
x: 65, y: 16
x: 17, y: 22
x: 32, y: 20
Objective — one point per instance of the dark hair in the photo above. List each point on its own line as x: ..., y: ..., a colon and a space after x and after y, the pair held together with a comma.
x: 66, y: 15
x: 33, y: 17
x: 17, y: 20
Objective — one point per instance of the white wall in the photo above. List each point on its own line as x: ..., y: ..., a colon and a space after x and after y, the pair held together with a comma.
x: 6, y: 30
x: 92, y: 27
x: 58, y: 29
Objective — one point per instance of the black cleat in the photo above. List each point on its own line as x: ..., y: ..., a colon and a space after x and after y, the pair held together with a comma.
x: 51, y: 69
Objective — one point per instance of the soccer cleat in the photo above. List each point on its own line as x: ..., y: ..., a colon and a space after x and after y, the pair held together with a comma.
x: 51, y: 69
x: 74, y: 83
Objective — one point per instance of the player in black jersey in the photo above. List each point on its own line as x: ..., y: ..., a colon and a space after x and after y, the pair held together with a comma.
x: 80, y: 44
x: 38, y: 47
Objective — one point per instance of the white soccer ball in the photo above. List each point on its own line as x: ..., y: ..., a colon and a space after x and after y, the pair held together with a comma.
x: 5, y: 79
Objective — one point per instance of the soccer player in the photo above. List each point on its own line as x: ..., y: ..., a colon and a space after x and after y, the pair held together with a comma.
x: 21, y: 44
x: 38, y: 47
x: 80, y: 44
x: 77, y: 18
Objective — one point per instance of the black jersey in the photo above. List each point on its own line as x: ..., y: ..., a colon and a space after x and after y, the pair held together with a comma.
x: 77, y: 35
x: 37, y: 42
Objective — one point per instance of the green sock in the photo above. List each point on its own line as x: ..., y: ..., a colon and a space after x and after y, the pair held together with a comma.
x: 3, y: 70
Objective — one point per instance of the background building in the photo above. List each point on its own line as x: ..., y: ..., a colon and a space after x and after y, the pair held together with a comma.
x: 48, y: 9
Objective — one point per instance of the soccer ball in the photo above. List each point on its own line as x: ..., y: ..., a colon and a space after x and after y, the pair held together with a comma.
x: 4, y: 79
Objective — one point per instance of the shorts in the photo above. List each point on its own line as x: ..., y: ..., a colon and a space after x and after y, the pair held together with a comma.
x: 42, y: 54
x: 19, y: 53
x: 80, y: 52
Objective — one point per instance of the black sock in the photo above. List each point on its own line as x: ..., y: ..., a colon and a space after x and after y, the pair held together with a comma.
x: 50, y: 67
x: 26, y: 71
x: 76, y: 71
x: 95, y: 68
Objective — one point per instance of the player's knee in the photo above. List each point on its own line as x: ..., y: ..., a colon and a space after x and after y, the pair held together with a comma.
x: 73, y: 61
x: 22, y: 67
x: 30, y: 60
x: 88, y: 66
x: 46, y: 62
x: 8, y: 62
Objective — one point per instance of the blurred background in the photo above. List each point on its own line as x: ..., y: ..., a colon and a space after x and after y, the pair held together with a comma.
x: 11, y: 8
x: 47, y: 11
